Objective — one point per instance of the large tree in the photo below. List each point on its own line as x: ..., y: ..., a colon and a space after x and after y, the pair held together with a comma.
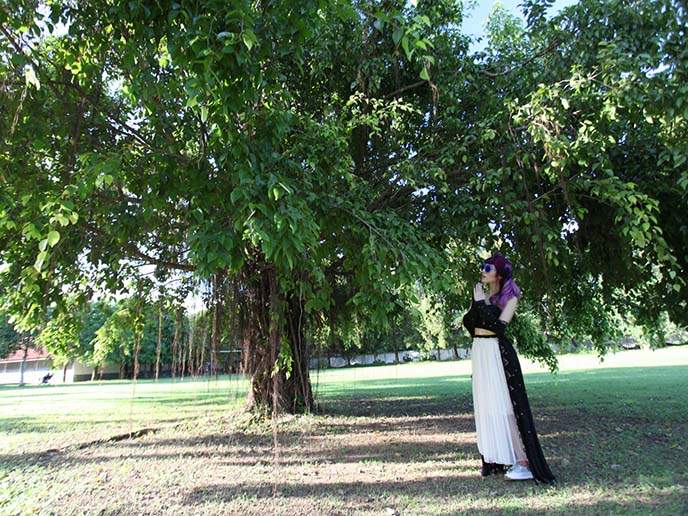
x: 318, y: 157
x: 220, y: 139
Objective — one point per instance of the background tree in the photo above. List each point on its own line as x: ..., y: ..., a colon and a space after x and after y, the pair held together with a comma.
x: 572, y: 163
x: 10, y: 340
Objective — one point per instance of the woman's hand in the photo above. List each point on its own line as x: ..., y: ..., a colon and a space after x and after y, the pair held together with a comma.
x: 478, y: 292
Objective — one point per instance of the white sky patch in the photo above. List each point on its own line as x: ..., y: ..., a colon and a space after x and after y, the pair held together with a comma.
x: 477, y: 12
x: 60, y: 29
x: 569, y: 228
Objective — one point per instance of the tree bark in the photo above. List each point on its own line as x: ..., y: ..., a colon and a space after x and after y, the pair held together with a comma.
x: 175, y: 342
x: 190, y: 359
x: 137, y: 350
x: 266, y: 317
x: 159, y: 344
x: 23, y: 365
x: 201, y: 360
x: 182, y: 357
x: 298, y: 385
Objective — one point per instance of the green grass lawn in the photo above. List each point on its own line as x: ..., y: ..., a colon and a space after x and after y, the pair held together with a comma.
x: 389, y: 438
x: 35, y: 418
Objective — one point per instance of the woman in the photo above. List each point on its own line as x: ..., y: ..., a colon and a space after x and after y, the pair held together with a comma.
x: 504, y: 423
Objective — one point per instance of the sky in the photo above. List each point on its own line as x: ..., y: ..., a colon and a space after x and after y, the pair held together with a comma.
x: 475, y: 18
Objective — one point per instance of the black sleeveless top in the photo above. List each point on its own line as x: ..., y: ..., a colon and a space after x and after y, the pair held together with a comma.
x: 482, y: 315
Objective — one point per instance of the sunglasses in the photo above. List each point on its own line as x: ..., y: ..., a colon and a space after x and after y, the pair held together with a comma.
x: 487, y: 267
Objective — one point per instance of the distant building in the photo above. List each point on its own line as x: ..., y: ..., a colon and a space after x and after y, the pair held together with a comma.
x: 39, y: 364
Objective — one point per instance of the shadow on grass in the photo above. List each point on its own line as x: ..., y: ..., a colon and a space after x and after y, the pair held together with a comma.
x: 456, y: 493
x: 42, y: 425
x: 600, y: 430
x: 587, y: 451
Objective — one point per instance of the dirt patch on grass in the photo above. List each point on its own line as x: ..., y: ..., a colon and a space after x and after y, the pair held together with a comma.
x: 358, y: 457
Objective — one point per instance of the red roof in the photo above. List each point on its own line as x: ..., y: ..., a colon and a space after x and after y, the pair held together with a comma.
x: 33, y: 354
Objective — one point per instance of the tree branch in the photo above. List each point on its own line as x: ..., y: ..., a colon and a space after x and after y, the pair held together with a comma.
x: 133, y: 250
x: 405, y: 88
x: 542, y: 52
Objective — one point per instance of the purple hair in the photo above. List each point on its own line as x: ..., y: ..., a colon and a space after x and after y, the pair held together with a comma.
x: 507, y: 285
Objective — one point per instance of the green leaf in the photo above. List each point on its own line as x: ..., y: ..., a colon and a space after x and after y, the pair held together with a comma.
x: 422, y: 20
x: 424, y: 74
x: 40, y: 260
x: 397, y: 35
x: 405, y: 45
x: 192, y: 101
x: 249, y: 38
x: 53, y: 238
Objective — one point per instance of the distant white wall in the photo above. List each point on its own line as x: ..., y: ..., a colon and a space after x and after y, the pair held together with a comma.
x: 10, y: 372
x: 83, y: 372
x: 387, y: 358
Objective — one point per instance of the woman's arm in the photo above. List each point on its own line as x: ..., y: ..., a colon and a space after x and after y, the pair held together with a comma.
x: 509, y: 310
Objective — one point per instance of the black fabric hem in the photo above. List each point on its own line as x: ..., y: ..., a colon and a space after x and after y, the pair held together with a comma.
x: 524, y: 417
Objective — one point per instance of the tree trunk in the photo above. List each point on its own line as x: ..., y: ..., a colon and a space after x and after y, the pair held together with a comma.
x: 190, y: 360
x: 137, y: 350
x: 23, y: 365
x: 267, y: 316
x: 159, y: 344
x: 182, y: 356
x: 298, y: 385
x: 254, y: 321
x: 175, y: 341
x: 201, y: 360
x: 215, y: 332
x: 456, y: 350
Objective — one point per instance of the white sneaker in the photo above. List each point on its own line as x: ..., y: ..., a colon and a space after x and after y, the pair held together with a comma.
x: 518, y: 472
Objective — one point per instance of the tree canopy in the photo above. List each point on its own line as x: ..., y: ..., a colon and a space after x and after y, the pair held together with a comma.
x: 312, y: 161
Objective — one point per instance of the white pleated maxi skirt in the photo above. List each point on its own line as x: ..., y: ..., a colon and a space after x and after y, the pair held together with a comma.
x: 497, y: 433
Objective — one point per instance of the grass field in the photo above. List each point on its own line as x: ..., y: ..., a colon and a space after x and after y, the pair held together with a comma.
x: 387, y: 440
